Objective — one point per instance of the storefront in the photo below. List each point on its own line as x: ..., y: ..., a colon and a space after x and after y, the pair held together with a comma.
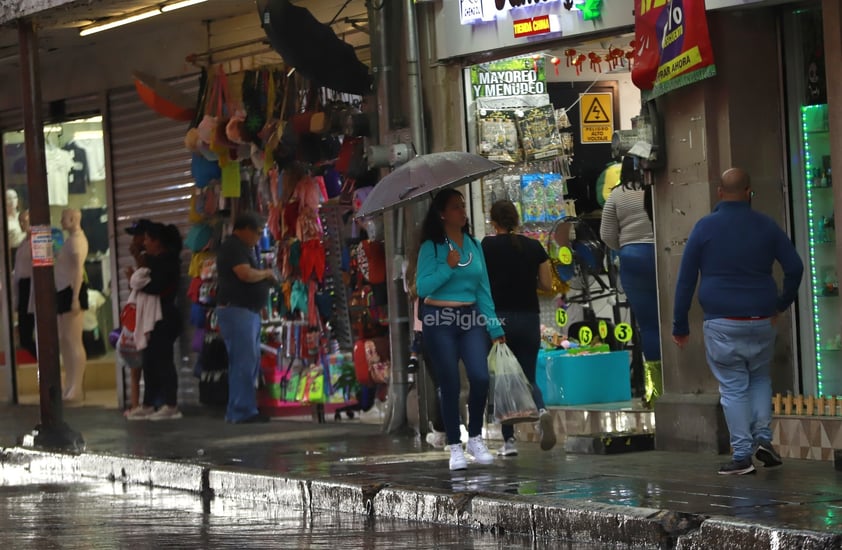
x: 548, y: 115
x: 806, y: 358
x: 806, y: 74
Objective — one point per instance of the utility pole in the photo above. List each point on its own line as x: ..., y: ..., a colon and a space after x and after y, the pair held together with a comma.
x: 52, y: 432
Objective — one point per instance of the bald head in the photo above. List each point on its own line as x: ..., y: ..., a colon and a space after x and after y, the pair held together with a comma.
x: 735, y: 185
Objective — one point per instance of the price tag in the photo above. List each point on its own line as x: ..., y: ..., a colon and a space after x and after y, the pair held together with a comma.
x: 603, y: 330
x: 561, y: 317
x: 585, y: 336
x: 565, y: 255
x: 623, y: 332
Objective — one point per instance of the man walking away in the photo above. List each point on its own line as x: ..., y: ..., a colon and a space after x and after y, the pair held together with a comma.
x: 242, y: 291
x: 734, y: 249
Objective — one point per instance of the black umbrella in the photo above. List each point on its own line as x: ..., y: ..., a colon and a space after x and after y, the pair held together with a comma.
x: 313, y: 48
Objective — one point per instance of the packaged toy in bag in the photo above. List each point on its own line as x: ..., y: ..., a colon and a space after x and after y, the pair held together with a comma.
x: 532, y: 198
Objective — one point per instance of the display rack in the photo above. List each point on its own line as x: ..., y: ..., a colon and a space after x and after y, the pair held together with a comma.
x: 331, y: 217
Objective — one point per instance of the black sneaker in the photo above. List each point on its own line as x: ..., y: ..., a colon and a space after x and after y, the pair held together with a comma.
x: 737, y: 468
x: 767, y: 454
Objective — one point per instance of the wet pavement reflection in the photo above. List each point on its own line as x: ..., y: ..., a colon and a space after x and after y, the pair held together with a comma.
x: 43, y: 514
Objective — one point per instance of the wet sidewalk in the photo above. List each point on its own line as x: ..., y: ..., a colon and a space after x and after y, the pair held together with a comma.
x: 649, y: 499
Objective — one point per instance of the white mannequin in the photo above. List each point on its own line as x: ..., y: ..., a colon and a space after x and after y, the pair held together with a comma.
x: 15, y: 232
x: 69, y: 272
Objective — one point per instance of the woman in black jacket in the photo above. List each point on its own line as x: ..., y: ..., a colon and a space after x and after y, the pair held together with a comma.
x: 163, y: 250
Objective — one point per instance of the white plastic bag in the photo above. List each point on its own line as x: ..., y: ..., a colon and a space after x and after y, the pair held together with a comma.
x: 511, y: 395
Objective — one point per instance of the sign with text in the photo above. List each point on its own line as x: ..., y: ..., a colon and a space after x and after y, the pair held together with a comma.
x: 477, y: 11
x: 673, y: 45
x: 41, y: 245
x: 509, y: 77
x: 596, y: 117
x: 543, y: 24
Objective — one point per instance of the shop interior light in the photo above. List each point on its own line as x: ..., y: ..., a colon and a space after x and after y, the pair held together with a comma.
x: 811, y: 224
x: 119, y: 22
x: 179, y: 5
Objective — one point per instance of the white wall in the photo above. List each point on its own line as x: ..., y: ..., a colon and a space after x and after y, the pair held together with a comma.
x: 629, y: 93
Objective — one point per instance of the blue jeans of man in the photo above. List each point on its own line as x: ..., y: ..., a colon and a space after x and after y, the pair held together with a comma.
x: 451, y: 334
x: 740, y: 353
x: 523, y: 336
x: 639, y: 278
x: 240, y: 328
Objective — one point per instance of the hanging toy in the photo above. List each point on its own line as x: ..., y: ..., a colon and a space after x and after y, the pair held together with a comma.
x: 570, y: 54
x: 555, y: 61
x: 535, y: 59
x: 596, y: 61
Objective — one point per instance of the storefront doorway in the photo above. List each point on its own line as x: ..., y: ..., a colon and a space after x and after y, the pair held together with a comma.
x: 76, y: 179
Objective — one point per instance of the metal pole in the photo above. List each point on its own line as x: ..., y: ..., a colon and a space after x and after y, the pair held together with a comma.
x: 52, y: 432
x: 413, y: 73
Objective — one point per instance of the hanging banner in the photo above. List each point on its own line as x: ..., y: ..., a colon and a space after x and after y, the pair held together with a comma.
x: 672, y: 45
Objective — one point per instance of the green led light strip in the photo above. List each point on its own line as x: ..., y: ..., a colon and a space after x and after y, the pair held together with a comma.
x: 811, y: 228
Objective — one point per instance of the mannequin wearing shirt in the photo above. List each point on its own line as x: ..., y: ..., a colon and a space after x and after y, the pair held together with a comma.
x: 69, y: 272
x: 24, y: 304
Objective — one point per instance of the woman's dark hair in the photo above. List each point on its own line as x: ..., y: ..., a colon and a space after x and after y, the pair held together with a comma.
x: 631, y: 178
x: 168, y: 235
x: 172, y: 239
x: 433, y: 228
x: 504, y: 214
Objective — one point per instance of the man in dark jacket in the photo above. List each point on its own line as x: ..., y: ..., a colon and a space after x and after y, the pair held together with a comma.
x: 734, y: 249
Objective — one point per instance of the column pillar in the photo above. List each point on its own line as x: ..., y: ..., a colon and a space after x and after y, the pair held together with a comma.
x: 52, y: 432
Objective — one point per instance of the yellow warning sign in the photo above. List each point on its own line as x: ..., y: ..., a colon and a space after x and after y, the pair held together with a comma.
x: 597, y: 118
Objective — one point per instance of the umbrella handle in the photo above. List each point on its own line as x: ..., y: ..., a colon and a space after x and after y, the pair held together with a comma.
x: 407, y: 191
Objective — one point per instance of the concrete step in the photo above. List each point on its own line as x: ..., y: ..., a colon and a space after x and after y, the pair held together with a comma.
x: 100, y: 374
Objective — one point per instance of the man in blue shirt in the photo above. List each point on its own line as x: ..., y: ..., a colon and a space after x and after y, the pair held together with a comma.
x: 734, y: 249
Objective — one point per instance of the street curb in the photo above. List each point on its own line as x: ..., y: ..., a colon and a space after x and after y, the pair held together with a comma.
x: 540, y: 517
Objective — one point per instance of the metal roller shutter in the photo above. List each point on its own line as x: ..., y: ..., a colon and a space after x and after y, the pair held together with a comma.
x: 150, y: 171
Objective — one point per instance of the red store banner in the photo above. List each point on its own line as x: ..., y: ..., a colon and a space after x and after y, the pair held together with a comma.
x: 672, y: 45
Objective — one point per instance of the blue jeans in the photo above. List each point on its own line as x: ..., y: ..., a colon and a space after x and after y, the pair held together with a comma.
x: 740, y: 355
x: 637, y: 273
x: 240, y: 328
x: 523, y: 336
x: 446, y: 340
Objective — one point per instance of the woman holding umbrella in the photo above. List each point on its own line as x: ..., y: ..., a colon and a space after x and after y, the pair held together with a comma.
x: 457, y: 311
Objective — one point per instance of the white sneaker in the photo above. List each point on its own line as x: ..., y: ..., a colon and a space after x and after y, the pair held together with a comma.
x: 508, y: 448
x: 165, y: 413
x: 477, y: 449
x: 139, y: 413
x: 546, y: 430
x: 457, y: 458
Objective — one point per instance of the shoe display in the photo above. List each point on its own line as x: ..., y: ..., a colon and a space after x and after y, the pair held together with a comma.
x: 767, y: 454
x: 477, y: 449
x: 737, y: 467
x: 165, y: 413
x: 546, y: 430
x: 457, y: 458
x: 508, y: 448
x: 139, y: 413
